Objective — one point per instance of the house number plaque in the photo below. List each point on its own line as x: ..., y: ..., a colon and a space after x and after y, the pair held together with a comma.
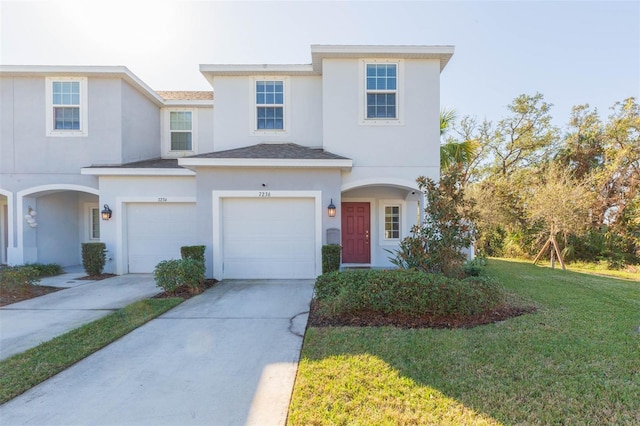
x: 264, y: 194
x: 162, y: 199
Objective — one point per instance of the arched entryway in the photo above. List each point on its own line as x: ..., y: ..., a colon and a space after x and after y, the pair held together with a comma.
x: 53, y: 221
x: 375, y: 217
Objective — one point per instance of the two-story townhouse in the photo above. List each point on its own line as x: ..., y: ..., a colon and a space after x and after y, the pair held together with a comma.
x: 290, y: 158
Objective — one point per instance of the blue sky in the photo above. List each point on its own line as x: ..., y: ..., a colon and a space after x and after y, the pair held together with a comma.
x: 573, y: 52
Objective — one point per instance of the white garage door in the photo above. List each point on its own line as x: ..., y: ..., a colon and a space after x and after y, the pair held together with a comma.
x: 155, y: 232
x: 268, y: 238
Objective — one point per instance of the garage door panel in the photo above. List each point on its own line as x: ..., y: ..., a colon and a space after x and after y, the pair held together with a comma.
x: 272, y: 238
x: 155, y: 232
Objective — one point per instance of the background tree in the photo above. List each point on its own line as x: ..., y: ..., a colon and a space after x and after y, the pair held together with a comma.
x: 561, y: 204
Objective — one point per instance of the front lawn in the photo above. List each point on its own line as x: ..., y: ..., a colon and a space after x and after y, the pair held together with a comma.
x: 575, y: 361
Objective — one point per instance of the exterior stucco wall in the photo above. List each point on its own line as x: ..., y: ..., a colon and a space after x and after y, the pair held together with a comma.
x: 29, y: 150
x: 235, y: 108
x: 205, y: 130
x: 140, y: 126
x: 382, y: 152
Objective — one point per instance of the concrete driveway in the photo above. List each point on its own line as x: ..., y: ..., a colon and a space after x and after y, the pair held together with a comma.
x: 26, y: 324
x: 226, y: 357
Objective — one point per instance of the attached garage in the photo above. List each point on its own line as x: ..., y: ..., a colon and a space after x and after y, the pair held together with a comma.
x: 265, y: 238
x: 156, y: 231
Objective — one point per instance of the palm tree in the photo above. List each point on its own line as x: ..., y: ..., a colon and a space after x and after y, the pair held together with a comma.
x: 453, y: 152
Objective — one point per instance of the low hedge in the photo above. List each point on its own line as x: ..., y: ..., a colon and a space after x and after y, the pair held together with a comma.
x: 331, y: 258
x: 405, y: 292
x: 94, y: 257
x: 18, y: 276
x: 171, y: 274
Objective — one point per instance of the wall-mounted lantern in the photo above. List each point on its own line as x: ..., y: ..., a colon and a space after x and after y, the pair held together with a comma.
x: 106, y: 212
x: 30, y: 217
x: 331, y: 209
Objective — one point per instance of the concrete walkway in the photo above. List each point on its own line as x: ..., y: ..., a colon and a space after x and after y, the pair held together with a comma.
x: 26, y: 324
x: 226, y: 357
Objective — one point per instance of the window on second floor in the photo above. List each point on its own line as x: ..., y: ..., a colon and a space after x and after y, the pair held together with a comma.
x: 66, y: 106
x: 382, y: 86
x: 270, y: 105
x: 181, y: 129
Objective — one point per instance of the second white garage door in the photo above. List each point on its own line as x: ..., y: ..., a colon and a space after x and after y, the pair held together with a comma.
x: 155, y: 232
x: 268, y: 238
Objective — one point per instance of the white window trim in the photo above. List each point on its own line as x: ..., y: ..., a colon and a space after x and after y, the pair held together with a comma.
x: 362, y: 94
x: 84, y: 124
x: 166, y: 139
x: 91, y: 223
x: 254, y: 107
x: 87, y: 209
x: 401, y: 216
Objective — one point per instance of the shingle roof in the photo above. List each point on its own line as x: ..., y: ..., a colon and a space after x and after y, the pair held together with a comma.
x: 290, y: 151
x: 156, y: 163
x: 176, y: 95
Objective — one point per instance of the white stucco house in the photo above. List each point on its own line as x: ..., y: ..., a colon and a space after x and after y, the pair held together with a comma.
x: 250, y: 172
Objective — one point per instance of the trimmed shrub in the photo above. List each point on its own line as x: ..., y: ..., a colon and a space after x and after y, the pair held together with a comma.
x: 46, y: 269
x: 94, y: 256
x: 175, y: 273
x: 405, y: 292
x: 18, y: 276
x: 331, y: 258
x: 193, y: 252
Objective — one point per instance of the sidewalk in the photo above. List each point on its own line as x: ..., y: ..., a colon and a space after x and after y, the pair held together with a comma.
x: 26, y: 324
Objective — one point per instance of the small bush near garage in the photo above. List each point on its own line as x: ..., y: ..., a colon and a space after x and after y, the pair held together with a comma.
x: 407, y: 293
x: 193, y: 252
x: 331, y: 258
x: 171, y: 275
x: 94, y: 257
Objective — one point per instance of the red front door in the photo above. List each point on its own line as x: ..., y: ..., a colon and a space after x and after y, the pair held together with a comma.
x: 356, y: 224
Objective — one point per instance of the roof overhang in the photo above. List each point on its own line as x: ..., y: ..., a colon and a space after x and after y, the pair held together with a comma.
x: 320, y: 52
x: 212, y: 70
x: 108, y: 71
x: 131, y: 171
x: 265, y: 162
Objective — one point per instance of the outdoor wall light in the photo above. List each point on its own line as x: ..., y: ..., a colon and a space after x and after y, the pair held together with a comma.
x: 106, y: 212
x: 331, y: 209
x: 30, y: 217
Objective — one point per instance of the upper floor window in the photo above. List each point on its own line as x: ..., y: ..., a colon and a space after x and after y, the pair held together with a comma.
x: 181, y: 129
x: 179, y: 132
x: 66, y: 106
x: 382, y: 86
x: 270, y: 105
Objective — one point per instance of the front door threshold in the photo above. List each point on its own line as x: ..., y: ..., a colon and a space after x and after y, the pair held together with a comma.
x: 345, y: 266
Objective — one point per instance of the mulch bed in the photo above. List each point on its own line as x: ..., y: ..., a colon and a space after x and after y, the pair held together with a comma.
x: 185, y: 292
x: 17, y: 294
x: 96, y: 277
x: 376, y: 319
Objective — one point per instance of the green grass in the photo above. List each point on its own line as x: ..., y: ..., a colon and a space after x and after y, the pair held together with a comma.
x: 576, y: 361
x: 25, y: 370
